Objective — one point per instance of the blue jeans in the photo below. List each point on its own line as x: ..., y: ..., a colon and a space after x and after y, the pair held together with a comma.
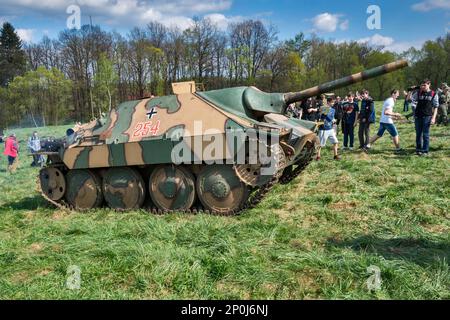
x: 423, y: 134
x: 406, y: 106
x: 389, y: 127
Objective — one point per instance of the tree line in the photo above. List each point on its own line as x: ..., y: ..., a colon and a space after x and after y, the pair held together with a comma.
x: 86, y: 72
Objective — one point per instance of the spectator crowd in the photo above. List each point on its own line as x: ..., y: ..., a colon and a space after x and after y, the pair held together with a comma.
x: 336, y: 114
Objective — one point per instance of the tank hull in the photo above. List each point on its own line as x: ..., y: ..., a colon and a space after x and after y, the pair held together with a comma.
x: 220, y: 151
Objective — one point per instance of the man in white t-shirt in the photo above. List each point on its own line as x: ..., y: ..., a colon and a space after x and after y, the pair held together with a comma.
x: 387, y: 121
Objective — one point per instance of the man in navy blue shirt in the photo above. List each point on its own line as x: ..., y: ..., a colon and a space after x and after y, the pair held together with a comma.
x: 351, y: 112
x: 366, y: 118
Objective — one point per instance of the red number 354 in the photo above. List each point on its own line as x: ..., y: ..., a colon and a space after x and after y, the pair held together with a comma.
x: 144, y: 129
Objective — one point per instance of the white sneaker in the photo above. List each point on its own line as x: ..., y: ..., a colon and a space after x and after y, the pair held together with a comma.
x: 351, y: 149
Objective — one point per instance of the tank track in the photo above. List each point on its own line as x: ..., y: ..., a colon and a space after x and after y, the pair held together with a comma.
x: 254, y: 199
x: 285, y: 179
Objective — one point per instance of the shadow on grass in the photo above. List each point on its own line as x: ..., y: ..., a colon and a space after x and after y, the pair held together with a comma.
x: 405, y: 153
x: 420, y: 251
x: 28, y: 203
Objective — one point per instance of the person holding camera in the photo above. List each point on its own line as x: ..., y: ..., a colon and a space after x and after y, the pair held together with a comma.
x: 310, y: 110
x: 426, y: 103
x: 410, y: 92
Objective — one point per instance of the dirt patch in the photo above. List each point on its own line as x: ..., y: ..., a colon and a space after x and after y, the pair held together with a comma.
x: 19, y: 277
x: 231, y: 288
x: 44, y: 272
x: 35, y: 248
x: 58, y: 215
x: 57, y: 248
x: 344, y: 205
x: 304, y: 244
x: 284, y: 214
x: 307, y: 282
x: 29, y: 215
x: 436, y: 229
x: 362, y: 156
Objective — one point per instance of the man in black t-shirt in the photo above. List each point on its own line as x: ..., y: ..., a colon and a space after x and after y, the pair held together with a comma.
x: 426, y: 103
x: 310, y: 111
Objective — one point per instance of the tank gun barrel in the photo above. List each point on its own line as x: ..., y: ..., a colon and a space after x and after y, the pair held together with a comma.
x: 346, y: 81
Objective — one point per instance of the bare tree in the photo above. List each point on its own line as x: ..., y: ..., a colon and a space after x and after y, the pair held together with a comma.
x: 250, y: 43
x: 200, y: 43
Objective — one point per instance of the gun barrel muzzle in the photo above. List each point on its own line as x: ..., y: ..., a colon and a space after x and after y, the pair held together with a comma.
x: 344, y: 82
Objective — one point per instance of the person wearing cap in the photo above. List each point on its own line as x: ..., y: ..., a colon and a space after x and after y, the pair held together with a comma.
x: 11, y: 151
x: 444, y: 100
x: 426, y: 103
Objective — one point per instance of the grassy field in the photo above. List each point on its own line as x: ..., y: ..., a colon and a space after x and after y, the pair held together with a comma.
x: 311, y: 239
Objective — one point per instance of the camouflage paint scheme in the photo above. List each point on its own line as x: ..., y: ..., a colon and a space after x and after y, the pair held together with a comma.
x: 105, y: 160
x: 117, y: 141
x: 172, y: 187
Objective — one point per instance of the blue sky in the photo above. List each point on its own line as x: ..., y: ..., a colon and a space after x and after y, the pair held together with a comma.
x: 404, y: 23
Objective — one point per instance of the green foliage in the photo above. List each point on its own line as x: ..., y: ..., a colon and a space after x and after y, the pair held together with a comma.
x: 12, y: 57
x: 381, y: 86
x: 314, y: 238
x: 296, y: 71
x: 430, y: 62
x: 299, y: 45
x: 158, y: 65
x: 42, y: 92
x: 105, y: 83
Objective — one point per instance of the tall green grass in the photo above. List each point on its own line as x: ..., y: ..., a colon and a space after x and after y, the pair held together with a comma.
x: 311, y: 239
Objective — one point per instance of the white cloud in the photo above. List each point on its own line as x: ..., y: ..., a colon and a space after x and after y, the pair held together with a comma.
x: 429, y: 5
x: 222, y: 21
x: 377, y: 40
x: 402, y: 46
x: 327, y: 22
x: 181, y: 22
x: 26, y: 35
x: 389, y: 43
x: 122, y: 13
